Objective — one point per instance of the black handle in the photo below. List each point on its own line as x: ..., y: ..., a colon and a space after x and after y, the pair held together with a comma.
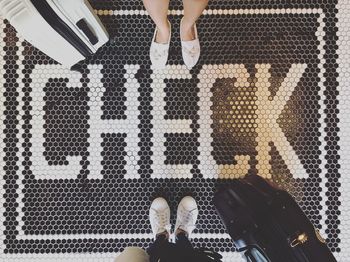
x: 83, y: 26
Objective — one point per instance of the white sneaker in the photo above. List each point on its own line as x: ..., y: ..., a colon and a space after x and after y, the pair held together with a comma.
x: 159, y: 216
x: 187, y: 213
x: 159, y: 52
x: 191, y: 50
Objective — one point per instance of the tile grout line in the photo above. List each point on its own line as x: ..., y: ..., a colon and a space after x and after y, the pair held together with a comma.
x: 20, y: 142
x: 322, y: 121
x: 2, y: 128
x: 119, y: 236
x: 217, y: 11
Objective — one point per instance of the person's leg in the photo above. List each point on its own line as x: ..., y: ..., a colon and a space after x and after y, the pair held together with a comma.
x: 159, y: 216
x: 187, y: 213
x: 192, y: 11
x: 155, y: 249
x: 158, y: 10
x: 182, y: 240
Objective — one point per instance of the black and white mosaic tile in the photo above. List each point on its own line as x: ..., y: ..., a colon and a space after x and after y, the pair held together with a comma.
x: 84, y: 153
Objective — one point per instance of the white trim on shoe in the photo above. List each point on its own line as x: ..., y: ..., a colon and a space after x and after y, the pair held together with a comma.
x: 159, y: 52
x: 191, y: 50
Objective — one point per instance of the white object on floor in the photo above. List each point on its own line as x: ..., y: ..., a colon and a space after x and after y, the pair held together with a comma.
x: 159, y: 216
x: 66, y: 30
x: 159, y: 52
x: 191, y: 50
x: 187, y: 213
x: 133, y: 254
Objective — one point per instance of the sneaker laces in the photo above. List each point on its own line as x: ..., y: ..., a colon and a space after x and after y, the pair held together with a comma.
x: 187, y: 223
x: 161, y: 221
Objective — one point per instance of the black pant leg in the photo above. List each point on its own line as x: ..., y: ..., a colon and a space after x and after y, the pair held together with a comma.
x: 183, y: 242
x: 155, y: 249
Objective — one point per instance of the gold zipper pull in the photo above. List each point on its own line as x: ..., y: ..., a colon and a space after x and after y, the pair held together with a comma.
x: 299, y: 240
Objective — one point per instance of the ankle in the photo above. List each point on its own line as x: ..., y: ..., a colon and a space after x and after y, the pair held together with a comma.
x: 164, y: 28
x: 163, y: 34
x: 164, y: 234
x: 179, y: 231
x: 186, y: 25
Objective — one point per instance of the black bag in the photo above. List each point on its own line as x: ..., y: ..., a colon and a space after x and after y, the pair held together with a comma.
x: 67, y: 31
x: 266, y: 224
